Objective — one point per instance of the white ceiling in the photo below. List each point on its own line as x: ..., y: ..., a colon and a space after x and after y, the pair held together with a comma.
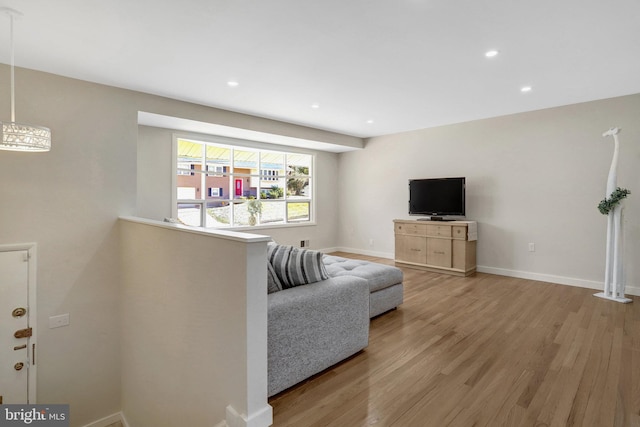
x: 406, y: 64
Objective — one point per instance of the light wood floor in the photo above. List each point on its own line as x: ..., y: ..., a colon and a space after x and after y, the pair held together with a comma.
x: 482, y: 351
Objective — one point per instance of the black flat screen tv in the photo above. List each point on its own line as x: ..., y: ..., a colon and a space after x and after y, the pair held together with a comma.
x: 437, y: 197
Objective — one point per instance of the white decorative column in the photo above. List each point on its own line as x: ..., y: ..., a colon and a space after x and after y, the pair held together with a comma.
x: 613, y: 275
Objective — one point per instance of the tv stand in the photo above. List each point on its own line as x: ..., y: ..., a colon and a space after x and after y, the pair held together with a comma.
x: 446, y: 247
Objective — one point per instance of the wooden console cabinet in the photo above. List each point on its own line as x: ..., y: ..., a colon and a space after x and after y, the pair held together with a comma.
x: 439, y: 246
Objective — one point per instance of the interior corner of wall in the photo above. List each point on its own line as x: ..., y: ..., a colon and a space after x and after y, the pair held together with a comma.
x: 222, y: 423
x: 123, y: 420
x: 234, y: 419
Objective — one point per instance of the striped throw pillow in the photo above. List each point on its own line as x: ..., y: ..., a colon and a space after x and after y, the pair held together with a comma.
x: 295, y: 266
x: 273, y: 283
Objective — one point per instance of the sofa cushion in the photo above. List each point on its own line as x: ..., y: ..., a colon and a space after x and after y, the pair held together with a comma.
x: 379, y: 276
x: 294, y: 266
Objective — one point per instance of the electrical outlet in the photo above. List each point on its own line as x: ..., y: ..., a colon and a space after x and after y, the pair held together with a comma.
x: 532, y: 247
x: 304, y: 243
x: 59, y: 321
x: 371, y: 242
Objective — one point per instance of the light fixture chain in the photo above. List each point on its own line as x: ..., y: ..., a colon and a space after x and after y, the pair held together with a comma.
x: 13, y: 73
x: 20, y: 136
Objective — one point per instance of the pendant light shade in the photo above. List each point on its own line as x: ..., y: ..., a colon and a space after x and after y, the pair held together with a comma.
x: 21, y: 136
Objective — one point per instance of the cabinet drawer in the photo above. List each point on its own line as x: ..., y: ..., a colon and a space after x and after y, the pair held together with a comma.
x: 411, y: 249
x: 415, y: 229
x: 439, y: 230
x: 459, y: 232
x: 439, y: 252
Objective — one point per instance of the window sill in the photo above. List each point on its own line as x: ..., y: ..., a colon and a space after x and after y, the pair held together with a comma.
x: 267, y: 227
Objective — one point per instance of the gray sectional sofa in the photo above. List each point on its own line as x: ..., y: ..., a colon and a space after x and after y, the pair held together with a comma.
x: 314, y: 326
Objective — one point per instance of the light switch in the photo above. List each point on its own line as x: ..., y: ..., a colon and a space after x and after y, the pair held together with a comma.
x: 59, y: 321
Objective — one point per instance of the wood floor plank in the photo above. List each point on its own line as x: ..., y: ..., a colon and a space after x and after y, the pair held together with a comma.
x: 483, y: 350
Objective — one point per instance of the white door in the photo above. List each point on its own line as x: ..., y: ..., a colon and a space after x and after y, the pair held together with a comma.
x: 15, y: 352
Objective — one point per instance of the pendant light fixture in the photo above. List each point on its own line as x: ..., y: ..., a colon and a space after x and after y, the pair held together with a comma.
x: 21, y: 136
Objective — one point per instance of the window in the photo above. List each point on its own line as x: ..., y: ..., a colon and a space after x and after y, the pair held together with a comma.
x: 269, y: 175
x: 185, y: 168
x: 215, y: 192
x: 221, y: 185
x: 216, y: 169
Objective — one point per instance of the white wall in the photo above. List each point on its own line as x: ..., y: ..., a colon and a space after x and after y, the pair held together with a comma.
x: 194, y: 326
x: 68, y: 201
x: 154, y: 188
x: 532, y: 177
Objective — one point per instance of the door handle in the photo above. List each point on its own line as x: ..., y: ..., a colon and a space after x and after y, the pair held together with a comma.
x: 19, y: 347
x: 23, y: 333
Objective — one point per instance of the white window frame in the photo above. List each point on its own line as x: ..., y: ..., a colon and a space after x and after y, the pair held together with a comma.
x: 233, y: 143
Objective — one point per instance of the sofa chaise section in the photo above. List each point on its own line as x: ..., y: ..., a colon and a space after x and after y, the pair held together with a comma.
x: 315, y: 326
x: 385, y: 282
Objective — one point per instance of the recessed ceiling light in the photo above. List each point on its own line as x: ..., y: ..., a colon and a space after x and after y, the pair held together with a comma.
x: 315, y: 105
x: 370, y: 121
x: 491, y: 53
x: 232, y: 83
x: 525, y: 89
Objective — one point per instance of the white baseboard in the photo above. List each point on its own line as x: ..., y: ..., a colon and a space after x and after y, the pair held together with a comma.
x: 329, y: 250
x: 377, y: 254
x: 561, y: 280
x: 632, y: 290
x: 106, y: 421
x: 261, y: 418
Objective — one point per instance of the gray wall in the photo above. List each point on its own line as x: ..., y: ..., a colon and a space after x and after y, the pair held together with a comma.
x: 532, y: 177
